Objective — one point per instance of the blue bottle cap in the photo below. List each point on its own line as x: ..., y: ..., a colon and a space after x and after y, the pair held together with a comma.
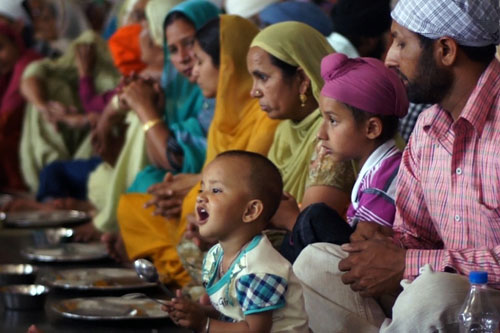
x: 478, y: 277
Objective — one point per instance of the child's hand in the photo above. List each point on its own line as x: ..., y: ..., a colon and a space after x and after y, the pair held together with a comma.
x: 186, y: 313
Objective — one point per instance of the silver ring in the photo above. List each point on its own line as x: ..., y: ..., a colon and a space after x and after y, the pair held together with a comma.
x: 258, y: 92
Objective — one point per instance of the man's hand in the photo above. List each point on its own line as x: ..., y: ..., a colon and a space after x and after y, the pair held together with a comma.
x: 367, y: 230
x: 373, y: 267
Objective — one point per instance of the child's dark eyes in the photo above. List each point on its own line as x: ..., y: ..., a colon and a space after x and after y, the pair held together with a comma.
x: 332, y: 121
x: 216, y: 190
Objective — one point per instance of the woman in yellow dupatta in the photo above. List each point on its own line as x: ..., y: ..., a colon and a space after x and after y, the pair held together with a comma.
x: 238, y: 123
x: 284, y: 60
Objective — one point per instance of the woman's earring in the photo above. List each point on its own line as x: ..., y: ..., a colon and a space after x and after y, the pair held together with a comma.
x: 303, y: 100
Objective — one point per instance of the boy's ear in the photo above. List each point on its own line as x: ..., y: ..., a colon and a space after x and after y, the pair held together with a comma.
x: 253, y: 211
x: 373, y: 128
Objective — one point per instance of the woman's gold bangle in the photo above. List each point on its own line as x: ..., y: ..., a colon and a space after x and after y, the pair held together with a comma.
x: 150, y: 124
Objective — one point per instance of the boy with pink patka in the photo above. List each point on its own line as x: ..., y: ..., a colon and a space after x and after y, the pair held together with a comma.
x: 361, y: 102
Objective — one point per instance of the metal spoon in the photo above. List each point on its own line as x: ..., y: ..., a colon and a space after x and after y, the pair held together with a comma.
x: 147, y: 272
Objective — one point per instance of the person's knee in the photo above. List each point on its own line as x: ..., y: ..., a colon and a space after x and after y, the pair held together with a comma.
x: 319, y: 211
x: 318, y: 259
x: 323, y: 224
x: 431, y: 301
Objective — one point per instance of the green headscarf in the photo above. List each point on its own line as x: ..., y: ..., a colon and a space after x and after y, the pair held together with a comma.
x: 299, y: 45
x: 183, y: 103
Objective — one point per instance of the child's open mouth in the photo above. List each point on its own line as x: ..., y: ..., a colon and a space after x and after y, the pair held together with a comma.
x: 202, y: 214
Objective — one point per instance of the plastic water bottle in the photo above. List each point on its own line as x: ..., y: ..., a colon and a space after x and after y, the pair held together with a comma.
x: 478, y: 314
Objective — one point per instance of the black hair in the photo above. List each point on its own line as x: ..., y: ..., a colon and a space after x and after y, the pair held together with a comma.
x: 361, y: 18
x: 265, y: 180
x: 481, y: 54
x: 389, y: 123
x: 287, y: 70
x: 174, y: 16
x: 208, y: 38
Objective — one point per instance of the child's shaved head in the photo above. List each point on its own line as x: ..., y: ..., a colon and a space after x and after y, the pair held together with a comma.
x: 264, y: 181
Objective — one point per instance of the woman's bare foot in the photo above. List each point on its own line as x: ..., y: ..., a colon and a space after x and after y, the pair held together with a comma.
x: 86, y: 233
x: 116, y: 248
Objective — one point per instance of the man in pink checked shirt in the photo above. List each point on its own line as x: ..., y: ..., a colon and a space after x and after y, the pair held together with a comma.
x: 448, y: 193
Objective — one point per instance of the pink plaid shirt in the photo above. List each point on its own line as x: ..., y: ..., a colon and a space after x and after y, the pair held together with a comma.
x: 448, y: 193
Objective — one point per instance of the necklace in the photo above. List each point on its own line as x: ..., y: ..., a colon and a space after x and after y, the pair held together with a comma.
x: 221, y: 269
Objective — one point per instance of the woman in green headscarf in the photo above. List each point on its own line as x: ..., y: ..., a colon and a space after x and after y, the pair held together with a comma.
x: 284, y: 61
x: 184, y: 122
x: 178, y: 144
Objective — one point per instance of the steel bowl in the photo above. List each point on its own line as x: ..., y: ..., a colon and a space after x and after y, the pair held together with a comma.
x: 24, y: 296
x: 17, y: 274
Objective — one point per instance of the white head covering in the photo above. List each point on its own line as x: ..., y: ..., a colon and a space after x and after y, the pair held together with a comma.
x: 469, y: 22
x: 342, y: 45
x: 156, y: 12
x: 14, y: 10
x: 246, y: 8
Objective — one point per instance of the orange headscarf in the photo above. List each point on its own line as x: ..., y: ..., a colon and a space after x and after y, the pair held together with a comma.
x: 125, y: 49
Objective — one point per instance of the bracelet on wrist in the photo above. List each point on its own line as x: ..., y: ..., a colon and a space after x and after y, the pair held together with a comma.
x: 207, y: 325
x: 150, y: 124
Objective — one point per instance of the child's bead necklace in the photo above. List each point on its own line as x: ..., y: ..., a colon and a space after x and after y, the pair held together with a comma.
x: 222, y: 271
